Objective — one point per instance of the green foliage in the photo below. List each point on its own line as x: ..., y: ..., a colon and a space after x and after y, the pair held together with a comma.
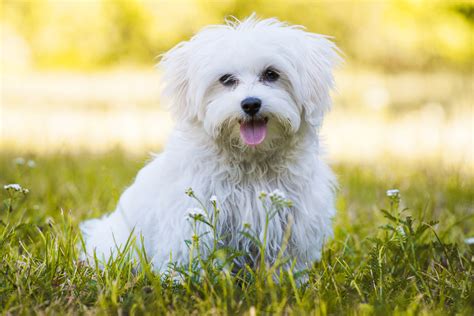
x: 396, y: 261
x: 391, y: 35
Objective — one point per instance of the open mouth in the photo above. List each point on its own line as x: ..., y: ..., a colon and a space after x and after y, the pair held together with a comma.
x: 253, y: 131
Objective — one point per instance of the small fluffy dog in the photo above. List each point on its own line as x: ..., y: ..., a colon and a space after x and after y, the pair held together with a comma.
x: 249, y: 98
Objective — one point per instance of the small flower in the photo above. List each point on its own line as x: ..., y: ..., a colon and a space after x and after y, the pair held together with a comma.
x: 16, y: 188
x: 278, y: 197
x: 262, y: 194
x: 19, y: 161
x: 12, y: 186
x: 31, y: 163
x: 277, y: 194
x: 469, y: 241
x: 189, y: 192
x: 195, y: 213
x: 196, y: 210
x: 213, y: 199
x: 393, y: 192
x: 401, y: 231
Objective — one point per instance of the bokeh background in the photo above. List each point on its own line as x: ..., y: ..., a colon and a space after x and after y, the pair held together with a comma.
x: 79, y: 75
x: 80, y: 113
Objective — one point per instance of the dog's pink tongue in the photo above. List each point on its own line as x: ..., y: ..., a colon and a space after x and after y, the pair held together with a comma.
x: 253, y: 132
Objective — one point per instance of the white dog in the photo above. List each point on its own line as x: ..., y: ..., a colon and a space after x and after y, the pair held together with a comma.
x: 249, y: 98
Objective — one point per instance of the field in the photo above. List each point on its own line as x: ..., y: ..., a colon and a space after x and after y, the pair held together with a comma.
x: 80, y: 112
x: 410, y: 259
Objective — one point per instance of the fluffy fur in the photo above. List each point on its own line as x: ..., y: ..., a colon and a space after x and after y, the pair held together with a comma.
x: 206, y: 152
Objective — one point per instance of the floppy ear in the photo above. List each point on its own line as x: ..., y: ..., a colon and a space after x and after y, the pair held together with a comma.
x: 319, y: 57
x: 174, y: 67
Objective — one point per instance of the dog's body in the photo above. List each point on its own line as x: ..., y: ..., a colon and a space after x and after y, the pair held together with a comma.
x: 249, y: 99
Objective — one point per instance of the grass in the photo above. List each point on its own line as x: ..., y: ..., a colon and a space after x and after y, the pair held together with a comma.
x: 385, y: 258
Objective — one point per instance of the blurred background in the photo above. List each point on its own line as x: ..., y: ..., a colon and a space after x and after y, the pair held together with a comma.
x: 79, y: 75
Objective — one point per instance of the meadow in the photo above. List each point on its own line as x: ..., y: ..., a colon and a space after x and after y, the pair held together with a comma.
x: 405, y: 254
x: 80, y: 110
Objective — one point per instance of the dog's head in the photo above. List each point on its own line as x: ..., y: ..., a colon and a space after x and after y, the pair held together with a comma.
x: 254, y: 81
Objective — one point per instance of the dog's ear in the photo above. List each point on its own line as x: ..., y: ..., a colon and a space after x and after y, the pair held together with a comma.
x: 174, y: 66
x: 319, y: 56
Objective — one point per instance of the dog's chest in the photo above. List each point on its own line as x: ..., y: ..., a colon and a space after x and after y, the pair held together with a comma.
x: 247, y: 200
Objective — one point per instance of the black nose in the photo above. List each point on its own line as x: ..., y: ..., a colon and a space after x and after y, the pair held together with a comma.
x: 251, y: 105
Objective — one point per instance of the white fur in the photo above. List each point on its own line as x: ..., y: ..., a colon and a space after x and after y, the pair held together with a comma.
x: 205, y: 151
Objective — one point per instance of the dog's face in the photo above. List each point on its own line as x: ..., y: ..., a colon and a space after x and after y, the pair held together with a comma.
x: 250, y: 83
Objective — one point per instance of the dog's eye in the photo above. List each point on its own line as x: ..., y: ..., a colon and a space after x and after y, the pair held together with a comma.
x: 228, y: 80
x: 270, y: 75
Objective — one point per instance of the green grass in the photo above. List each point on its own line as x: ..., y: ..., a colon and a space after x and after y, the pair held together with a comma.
x: 397, y: 261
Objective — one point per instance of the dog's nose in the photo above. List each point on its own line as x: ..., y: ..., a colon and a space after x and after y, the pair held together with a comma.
x: 251, y: 105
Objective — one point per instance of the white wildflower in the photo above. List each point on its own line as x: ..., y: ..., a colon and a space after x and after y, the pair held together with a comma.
x: 213, y: 199
x: 393, y: 192
x: 401, y: 231
x: 31, y: 163
x: 195, y: 211
x: 15, y: 187
x: 19, y: 161
x: 262, y: 194
x: 278, y: 197
x: 195, y: 214
x: 469, y: 241
x: 277, y: 194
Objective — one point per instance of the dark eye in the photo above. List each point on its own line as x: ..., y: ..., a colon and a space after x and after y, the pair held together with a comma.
x: 270, y: 75
x: 228, y: 80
